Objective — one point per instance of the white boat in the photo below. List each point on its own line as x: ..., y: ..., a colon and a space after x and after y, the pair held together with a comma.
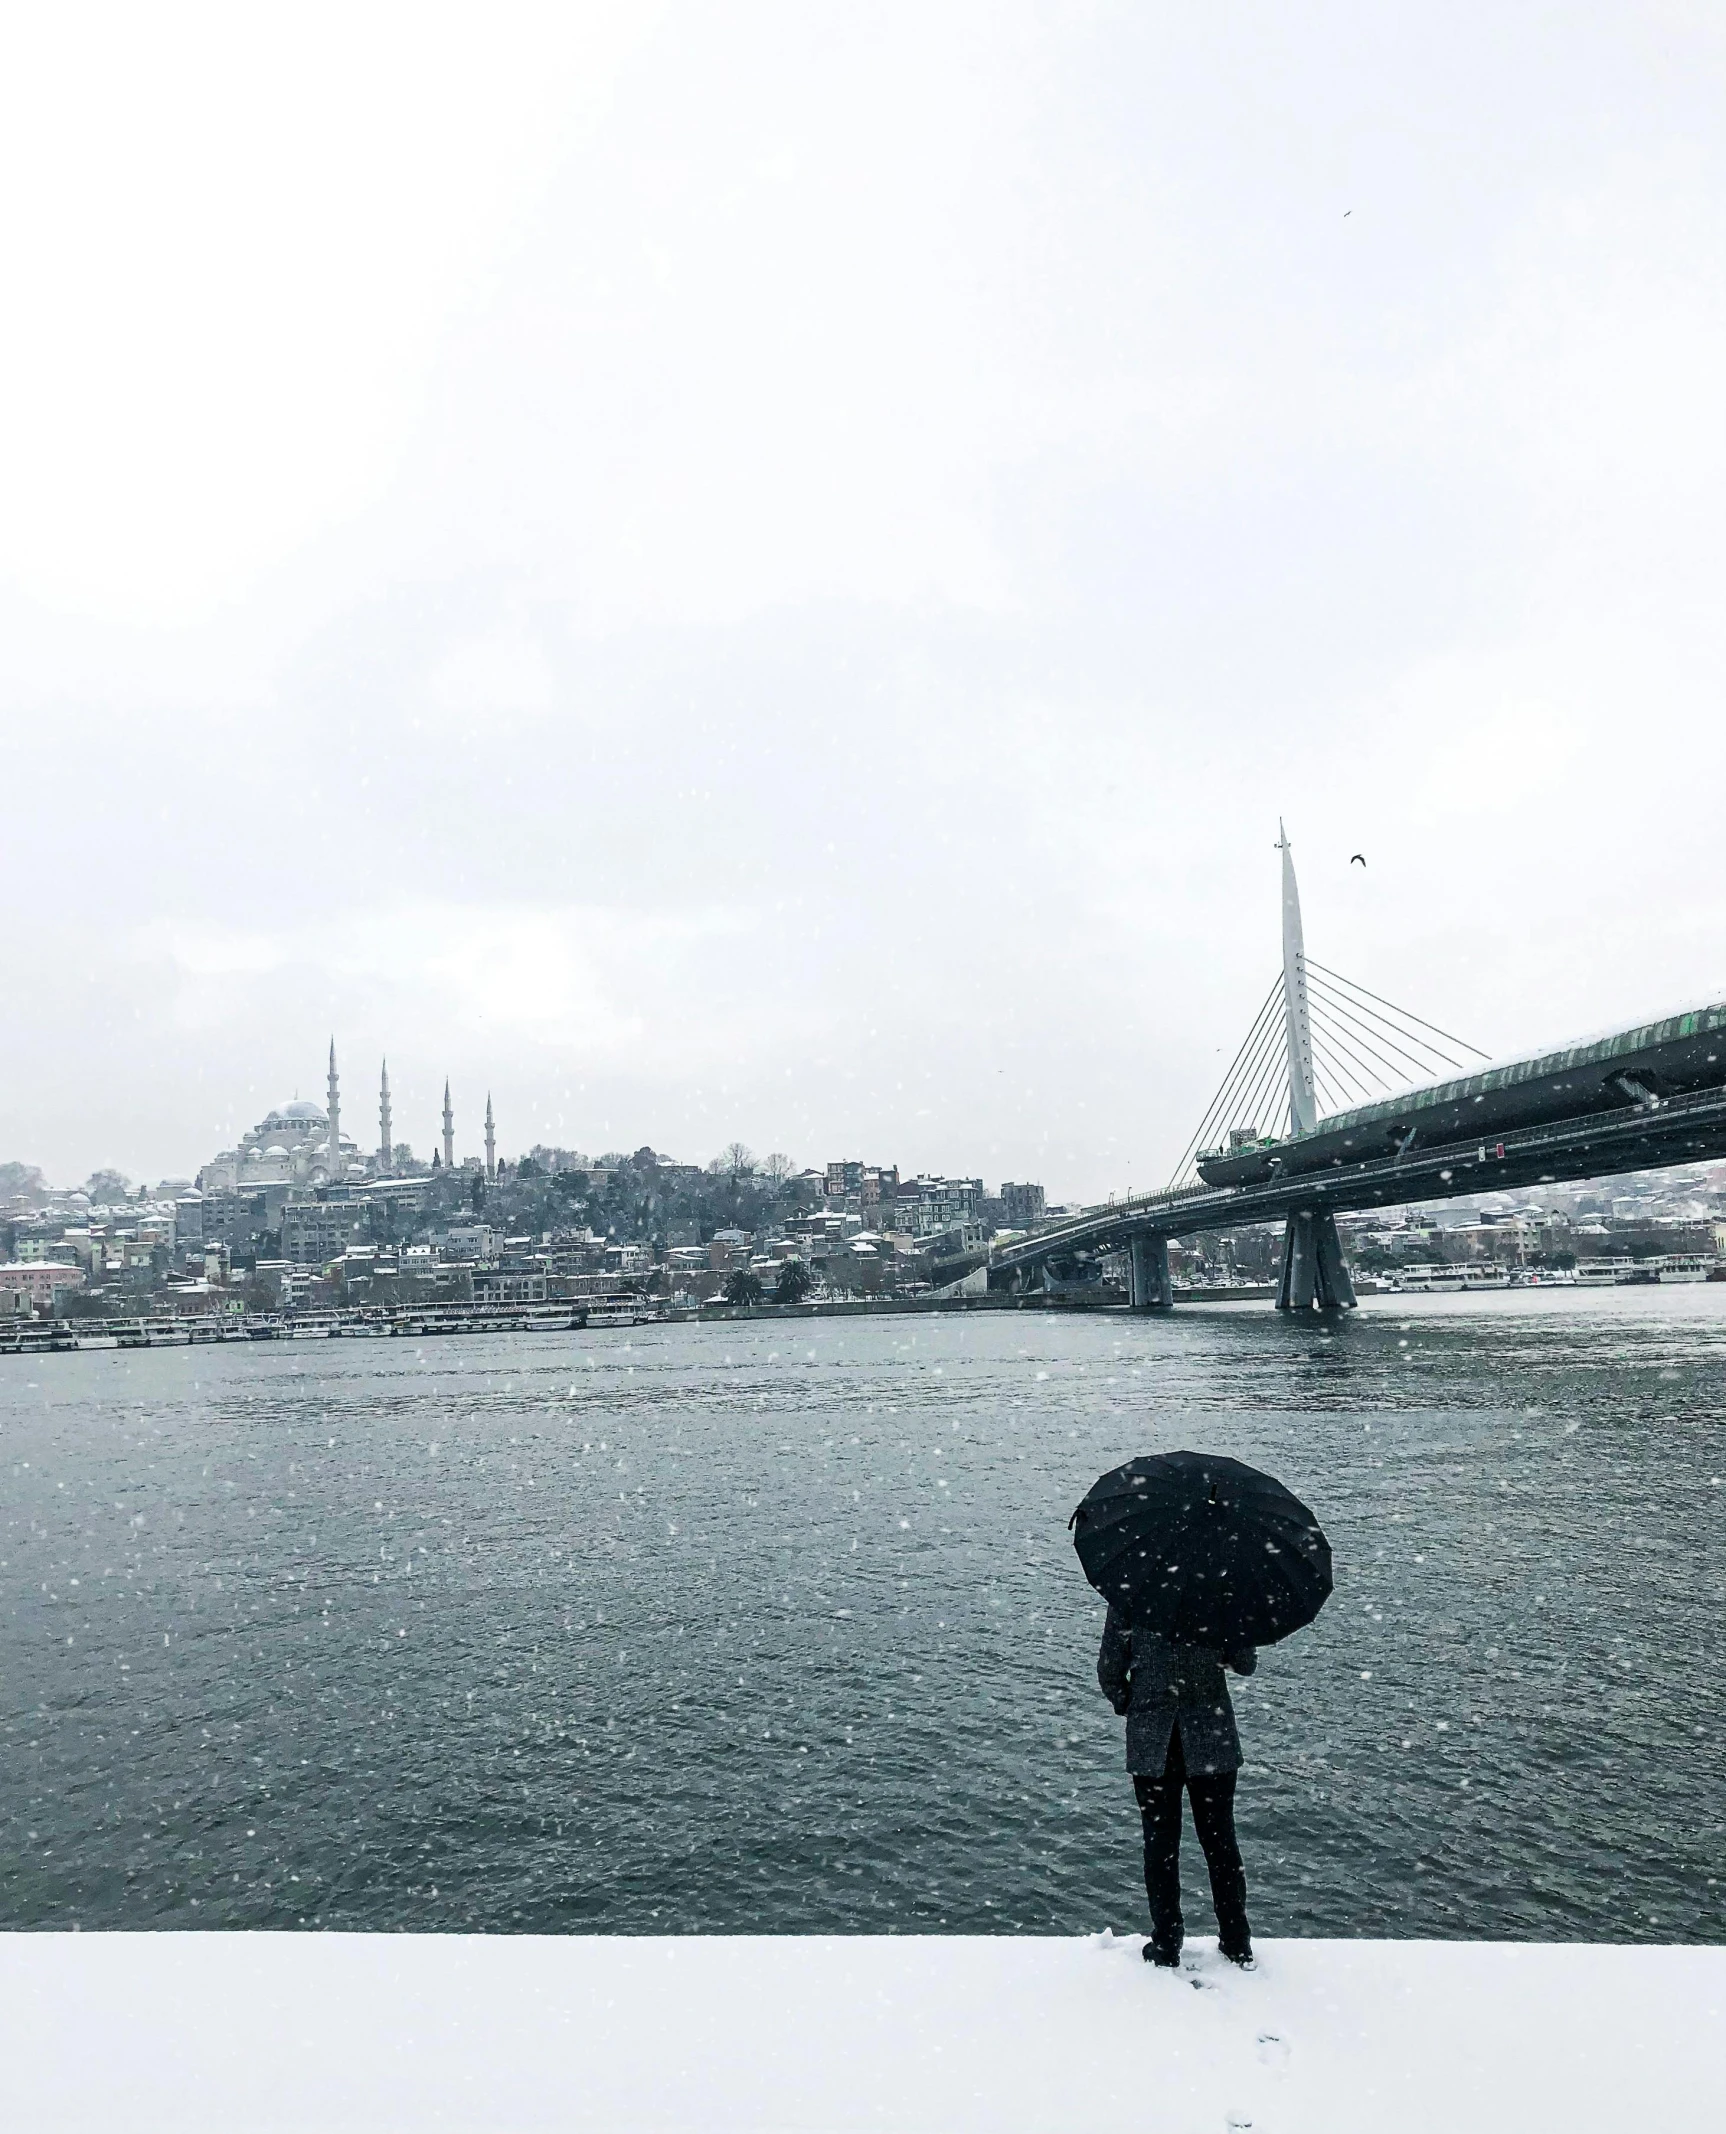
x: 1688, y: 1267
x: 1422, y: 1279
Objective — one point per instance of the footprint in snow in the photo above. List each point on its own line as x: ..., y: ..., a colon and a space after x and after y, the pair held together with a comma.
x: 1273, y: 2049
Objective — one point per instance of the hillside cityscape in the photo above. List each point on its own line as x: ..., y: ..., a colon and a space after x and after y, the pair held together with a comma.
x: 298, y: 1217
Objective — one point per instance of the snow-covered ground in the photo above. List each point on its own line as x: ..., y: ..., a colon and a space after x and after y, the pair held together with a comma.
x: 331, y: 2032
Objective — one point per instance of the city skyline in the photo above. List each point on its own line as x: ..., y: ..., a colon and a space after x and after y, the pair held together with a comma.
x: 307, y: 1125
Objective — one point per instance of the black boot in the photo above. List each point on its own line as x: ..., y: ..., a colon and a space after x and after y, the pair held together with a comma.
x: 1158, y: 1953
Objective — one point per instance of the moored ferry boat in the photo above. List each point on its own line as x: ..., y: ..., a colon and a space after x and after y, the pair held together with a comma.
x: 1422, y: 1278
x: 1689, y: 1267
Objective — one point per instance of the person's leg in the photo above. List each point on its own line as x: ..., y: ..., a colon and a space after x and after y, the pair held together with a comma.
x: 1160, y: 1806
x: 1214, y: 1819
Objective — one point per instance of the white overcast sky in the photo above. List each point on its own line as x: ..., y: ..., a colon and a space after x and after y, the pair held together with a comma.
x: 768, y: 572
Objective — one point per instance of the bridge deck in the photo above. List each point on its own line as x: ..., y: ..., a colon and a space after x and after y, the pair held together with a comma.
x: 1640, y: 1137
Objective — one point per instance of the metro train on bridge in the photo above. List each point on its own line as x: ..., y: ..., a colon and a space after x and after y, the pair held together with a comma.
x: 1680, y: 1056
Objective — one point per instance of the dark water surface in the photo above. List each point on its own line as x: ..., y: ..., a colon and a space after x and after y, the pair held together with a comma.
x: 777, y: 1627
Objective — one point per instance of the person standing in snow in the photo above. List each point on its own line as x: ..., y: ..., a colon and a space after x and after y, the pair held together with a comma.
x: 1181, y: 1733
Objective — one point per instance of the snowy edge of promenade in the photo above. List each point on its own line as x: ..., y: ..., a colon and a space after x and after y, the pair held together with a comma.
x: 378, y: 2031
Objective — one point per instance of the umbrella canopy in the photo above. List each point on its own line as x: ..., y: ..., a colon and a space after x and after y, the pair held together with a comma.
x: 1205, y: 1550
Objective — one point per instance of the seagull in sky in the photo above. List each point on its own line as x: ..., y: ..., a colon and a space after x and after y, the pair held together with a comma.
x: 1359, y: 860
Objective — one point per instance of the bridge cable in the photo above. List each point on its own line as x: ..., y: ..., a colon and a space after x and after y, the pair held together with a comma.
x: 1403, y: 1014
x: 1404, y: 1071
x: 1269, y: 1088
x: 1365, y: 1031
x: 1338, y: 1091
x: 1242, y: 1101
x: 1348, y: 1071
x: 1246, y: 1061
x: 1427, y: 1063
x: 1246, y: 1064
x: 1364, y: 1049
x: 1346, y: 1035
x: 1257, y: 1074
x: 1225, y: 1107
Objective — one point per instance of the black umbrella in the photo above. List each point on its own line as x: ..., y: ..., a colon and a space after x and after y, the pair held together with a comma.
x: 1205, y: 1550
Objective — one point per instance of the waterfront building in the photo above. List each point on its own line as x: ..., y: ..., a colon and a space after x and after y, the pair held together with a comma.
x: 1022, y: 1205
x: 927, y: 1206
x: 314, y: 1232
x: 510, y: 1285
x: 877, y: 1194
x: 28, y: 1286
x: 238, y: 1219
x: 189, y: 1219
x: 727, y: 1250
x: 869, y: 1188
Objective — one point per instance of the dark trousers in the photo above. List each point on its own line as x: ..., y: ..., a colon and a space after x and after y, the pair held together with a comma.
x: 1213, y: 1798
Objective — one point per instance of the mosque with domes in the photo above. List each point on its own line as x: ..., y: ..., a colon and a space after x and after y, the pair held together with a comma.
x: 290, y: 1147
x: 301, y: 1146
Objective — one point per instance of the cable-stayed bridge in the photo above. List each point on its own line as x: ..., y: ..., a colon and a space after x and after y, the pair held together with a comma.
x: 1338, y: 1100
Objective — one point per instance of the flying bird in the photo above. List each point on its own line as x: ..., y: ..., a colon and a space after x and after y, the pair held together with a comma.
x: 1359, y: 860
x: 1346, y: 213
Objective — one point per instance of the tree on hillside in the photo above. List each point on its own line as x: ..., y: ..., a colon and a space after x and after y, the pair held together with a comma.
x: 22, y: 1181
x: 108, y: 1186
x: 794, y: 1283
x: 743, y: 1287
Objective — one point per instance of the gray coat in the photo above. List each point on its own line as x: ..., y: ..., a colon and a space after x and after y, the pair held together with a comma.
x: 1158, y: 1685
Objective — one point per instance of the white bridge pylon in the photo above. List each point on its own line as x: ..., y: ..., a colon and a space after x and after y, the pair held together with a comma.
x: 1320, y: 1044
x: 1303, y: 1091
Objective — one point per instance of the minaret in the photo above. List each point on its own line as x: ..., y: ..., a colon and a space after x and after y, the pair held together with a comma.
x: 448, y: 1130
x: 384, y: 1121
x: 335, y: 1111
x: 490, y: 1141
x: 1303, y: 1097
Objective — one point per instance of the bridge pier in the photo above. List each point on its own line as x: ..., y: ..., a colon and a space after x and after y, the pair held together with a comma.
x: 1315, y: 1276
x: 1149, y: 1286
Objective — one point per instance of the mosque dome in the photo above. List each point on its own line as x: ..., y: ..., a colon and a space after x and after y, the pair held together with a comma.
x: 302, y: 1112
x: 275, y: 1149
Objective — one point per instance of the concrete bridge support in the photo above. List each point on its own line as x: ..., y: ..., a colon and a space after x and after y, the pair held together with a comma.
x: 1315, y: 1276
x: 1149, y: 1286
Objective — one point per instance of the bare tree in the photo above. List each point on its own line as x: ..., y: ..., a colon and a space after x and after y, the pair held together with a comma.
x: 737, y: 1158
x: 778, y: 1167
